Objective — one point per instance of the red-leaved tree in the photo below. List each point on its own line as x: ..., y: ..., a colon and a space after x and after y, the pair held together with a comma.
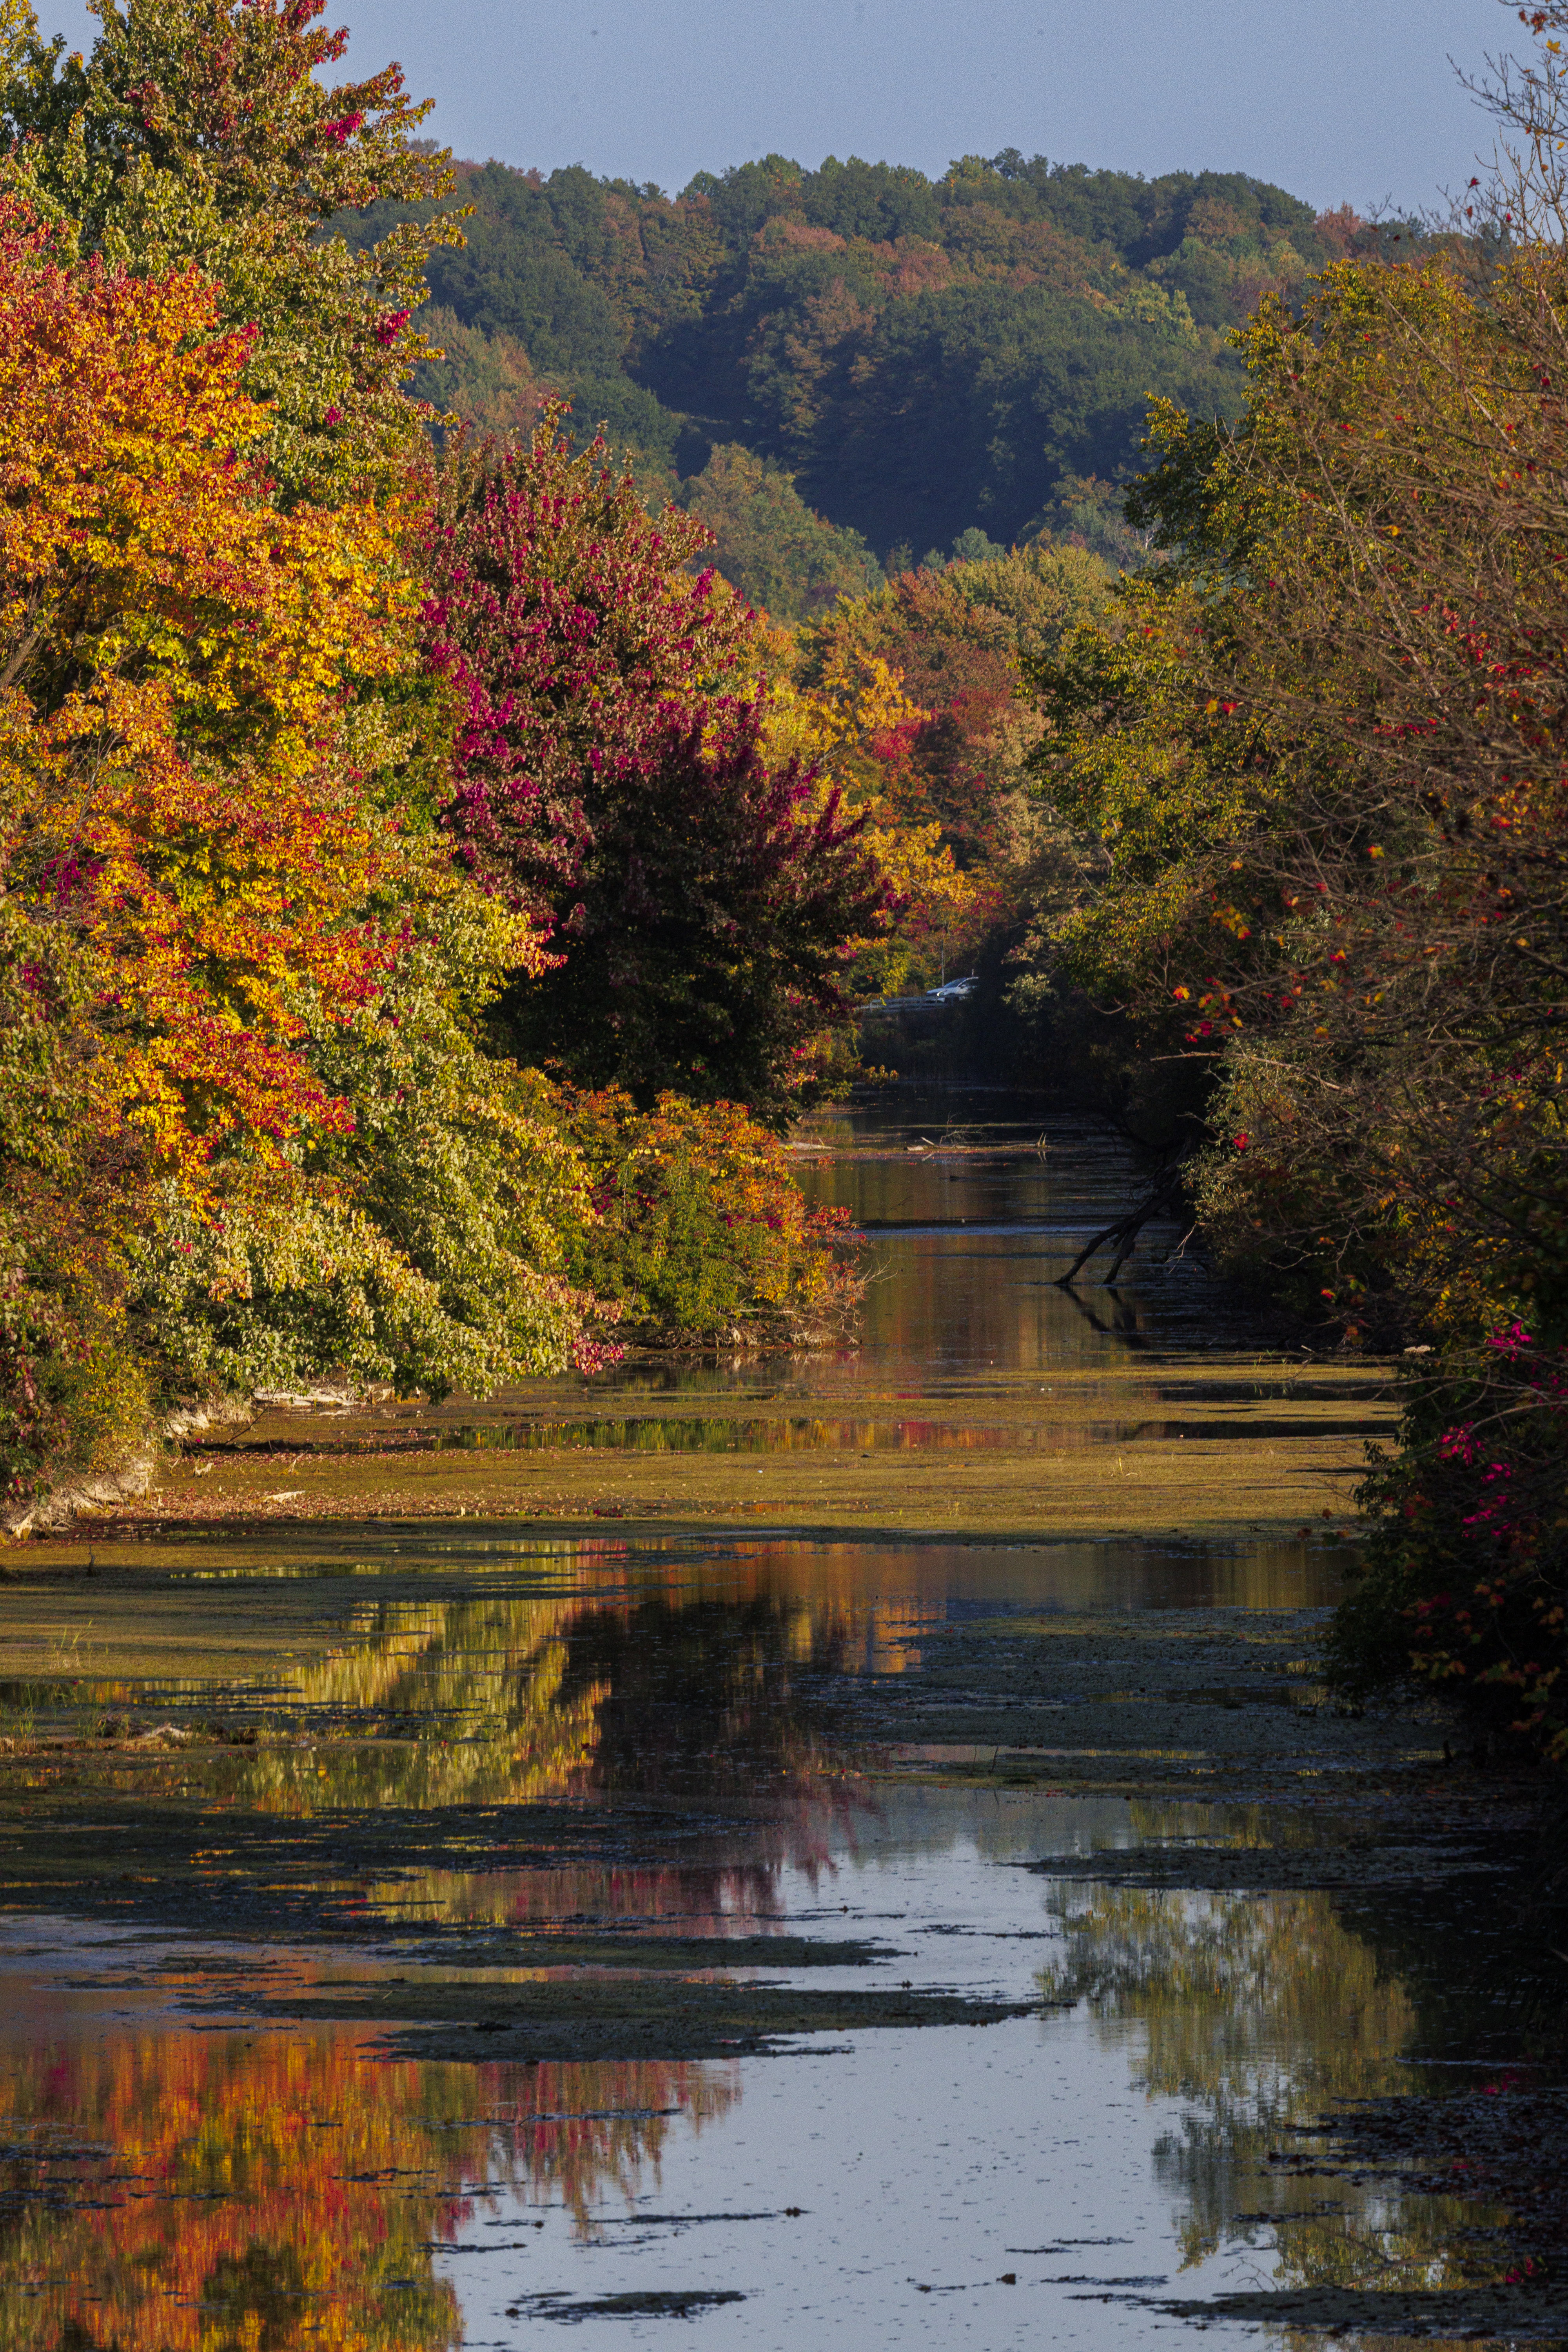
x: 610, y: 777
x: 707, y: 940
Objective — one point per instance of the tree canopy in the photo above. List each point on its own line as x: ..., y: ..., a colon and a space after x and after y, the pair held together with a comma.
x: 1320, y: 751
x: 922, y: 357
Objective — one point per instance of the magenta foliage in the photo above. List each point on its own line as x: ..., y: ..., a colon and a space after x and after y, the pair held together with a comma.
x: 561, y: 616
x: 609, y: 777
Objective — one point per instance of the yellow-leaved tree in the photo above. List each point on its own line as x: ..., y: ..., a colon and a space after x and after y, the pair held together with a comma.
x: 214, y: 946
x: 854, y: 729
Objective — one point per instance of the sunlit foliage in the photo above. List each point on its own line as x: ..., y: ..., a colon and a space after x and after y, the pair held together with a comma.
x: 611, y: 776
x: 855, y: 727
x: 700, y: 1232
x: 204, y: 134
x: 186, y: 859
x: 941, y: 769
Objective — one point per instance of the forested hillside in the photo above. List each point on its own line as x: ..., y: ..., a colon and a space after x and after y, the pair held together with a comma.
x: 924, y: 359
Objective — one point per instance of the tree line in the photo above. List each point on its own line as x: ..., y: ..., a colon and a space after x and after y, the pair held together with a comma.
x: 843, y: 370
x: 1313, y: 757
x: 415, y: 928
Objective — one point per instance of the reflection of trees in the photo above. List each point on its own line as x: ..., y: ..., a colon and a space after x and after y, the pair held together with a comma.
x: 723, y: 1700
x: 585, y: 2132
x: 704, y: 1696
x: 264, y: 2195
x: 503, y: 1700
x: 242, y: 2206
x: 465, y: 1700
x: 1261, y: 2012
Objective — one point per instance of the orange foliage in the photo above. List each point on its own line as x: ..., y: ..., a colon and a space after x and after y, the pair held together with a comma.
x: 173, y: 653
x: 700, y: 1233
x: 261, y: 2204
x: 284, y: 2190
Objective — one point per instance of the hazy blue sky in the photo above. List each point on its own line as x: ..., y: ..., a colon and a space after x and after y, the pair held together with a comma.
x: 1338, y: 99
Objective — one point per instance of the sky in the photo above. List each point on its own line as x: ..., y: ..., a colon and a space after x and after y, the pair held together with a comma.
x: 1339, y: 100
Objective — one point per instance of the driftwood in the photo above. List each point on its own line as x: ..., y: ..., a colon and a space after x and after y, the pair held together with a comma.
x: 1126, y: 1230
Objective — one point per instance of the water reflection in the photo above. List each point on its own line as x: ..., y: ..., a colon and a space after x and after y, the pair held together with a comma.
x: 1261, y: 2014
x: 225, y: 2190
x: 723, y: 1670
x: 712, y: 1695
x: 819, y: 1433
x: 445, y: 1754
x: 457, y: 1702
x: 970, y: 1355
x: 725, y: 1700
x: 966, y: 1235
x: 514, y: 1699
x: 973, y: 1231
x: 255, y: 2194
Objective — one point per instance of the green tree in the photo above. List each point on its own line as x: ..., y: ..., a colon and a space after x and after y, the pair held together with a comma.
x: 768, y: 543
x: 924, y: 356
x: 1320, y: 751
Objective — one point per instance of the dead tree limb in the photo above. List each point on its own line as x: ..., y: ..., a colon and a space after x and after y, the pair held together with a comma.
x: 1124, y: 1232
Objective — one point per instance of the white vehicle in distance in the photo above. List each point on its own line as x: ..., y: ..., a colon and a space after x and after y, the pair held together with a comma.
x: 953, y: 992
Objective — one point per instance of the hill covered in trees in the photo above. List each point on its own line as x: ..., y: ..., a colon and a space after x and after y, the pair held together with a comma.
x: 851, y: 369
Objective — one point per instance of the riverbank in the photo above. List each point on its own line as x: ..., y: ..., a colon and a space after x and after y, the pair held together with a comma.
x: 983, y: 1400
x: 1247, y: 1446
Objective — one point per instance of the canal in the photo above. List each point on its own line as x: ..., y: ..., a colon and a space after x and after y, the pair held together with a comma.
x: 839, y: 1854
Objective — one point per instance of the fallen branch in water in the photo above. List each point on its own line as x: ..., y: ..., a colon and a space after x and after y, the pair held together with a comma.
x: 1124, y: 1232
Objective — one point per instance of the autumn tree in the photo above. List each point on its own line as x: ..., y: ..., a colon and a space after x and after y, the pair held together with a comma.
x: 854, y: 729
x: 175, y: 854
x: 305, y: 743
x: 610, y: 776
x: 565, y: 620
x: 205, y: 919
x: 916, y: 696
x: 206, y: 134
x: 1321, y: 751
x: 956, y: 638
x: 696, y: 1228
x: 165, y: 627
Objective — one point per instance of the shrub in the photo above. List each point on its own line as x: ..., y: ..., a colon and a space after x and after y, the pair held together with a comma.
x: 1463, y: 1585
x: 702, y: 1236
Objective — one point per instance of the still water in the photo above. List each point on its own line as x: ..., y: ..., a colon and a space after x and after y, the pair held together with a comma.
x: 972, y: 1206
x: 1053, y: 2179
x: 652, y: 1830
